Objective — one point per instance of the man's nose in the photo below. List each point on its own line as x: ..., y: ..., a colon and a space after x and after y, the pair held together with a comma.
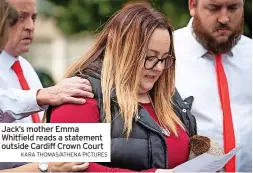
x: 30, y: 25
x: 223, y: 16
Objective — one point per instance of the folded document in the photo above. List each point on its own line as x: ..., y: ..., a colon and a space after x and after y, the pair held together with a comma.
x: 206, y: 162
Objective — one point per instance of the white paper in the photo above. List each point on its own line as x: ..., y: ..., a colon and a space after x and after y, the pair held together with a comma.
x: 206, y: 162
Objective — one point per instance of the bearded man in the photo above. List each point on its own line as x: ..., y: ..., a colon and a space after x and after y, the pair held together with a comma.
x: 214, y: 65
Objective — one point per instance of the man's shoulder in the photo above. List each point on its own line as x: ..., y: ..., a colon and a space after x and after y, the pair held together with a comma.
x: 244, y: 43
x: 182, y: 36
x: 246, y: 40
x: 30, y: 72
x: 180, y: 32
x: 244, y: 49
x: 184, y: 41
x: 24, y: 62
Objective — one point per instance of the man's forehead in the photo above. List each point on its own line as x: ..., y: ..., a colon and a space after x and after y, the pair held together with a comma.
x: 222, y: 2
x: 24, y: 5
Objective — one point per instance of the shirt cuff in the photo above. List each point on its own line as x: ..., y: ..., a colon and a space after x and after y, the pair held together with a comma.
x: 27, y: 102
x: 43, y: 107
x: 21, y: 103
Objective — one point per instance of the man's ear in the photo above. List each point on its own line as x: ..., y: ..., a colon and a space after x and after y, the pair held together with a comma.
x: 192, y: 5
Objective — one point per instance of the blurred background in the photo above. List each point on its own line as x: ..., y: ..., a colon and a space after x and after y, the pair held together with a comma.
x: 65, y: 29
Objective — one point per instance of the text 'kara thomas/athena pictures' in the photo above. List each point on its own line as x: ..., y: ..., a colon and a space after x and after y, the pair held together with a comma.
x: 55, y: 142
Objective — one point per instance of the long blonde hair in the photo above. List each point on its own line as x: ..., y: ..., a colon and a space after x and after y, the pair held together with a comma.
x: 121, y: 47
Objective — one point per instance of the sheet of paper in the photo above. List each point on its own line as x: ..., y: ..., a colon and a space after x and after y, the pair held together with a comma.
x: 206, y: 162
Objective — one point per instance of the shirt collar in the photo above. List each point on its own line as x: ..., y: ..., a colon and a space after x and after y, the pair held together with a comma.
x: 199, y: 50
x: 195, y: 47
x: 6, y: 60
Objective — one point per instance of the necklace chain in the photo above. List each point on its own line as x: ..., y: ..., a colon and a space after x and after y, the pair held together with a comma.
x: 164, y: 130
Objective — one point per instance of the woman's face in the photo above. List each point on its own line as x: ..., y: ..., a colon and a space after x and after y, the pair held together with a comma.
x: 158, y: 48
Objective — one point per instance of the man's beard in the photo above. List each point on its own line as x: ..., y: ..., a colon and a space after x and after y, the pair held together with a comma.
x: 209, y: 42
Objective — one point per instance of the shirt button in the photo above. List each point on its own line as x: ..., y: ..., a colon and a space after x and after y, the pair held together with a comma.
x: 184, y: 110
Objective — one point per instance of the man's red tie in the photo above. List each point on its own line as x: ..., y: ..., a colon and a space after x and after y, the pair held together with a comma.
x: 19, y: 72
x: 228, y: 129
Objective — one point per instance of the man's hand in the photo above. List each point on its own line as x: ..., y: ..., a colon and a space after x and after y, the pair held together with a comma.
x: 67, y: 166
x: 71, y: 90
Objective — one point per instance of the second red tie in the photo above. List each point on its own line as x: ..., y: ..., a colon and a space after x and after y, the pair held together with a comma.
x: 19, y: 72
x: 228, y: 128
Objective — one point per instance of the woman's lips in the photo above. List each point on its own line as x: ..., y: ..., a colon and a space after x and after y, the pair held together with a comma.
x: 150, y: 77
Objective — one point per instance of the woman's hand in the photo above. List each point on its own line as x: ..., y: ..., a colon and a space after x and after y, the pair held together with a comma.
x: 67, y: 166
x: 165, y: 170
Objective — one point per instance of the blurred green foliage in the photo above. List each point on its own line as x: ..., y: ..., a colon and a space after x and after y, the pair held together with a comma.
x: 75, y: 16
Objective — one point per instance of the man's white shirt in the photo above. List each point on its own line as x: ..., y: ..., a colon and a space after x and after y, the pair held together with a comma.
x: 16, y: 104
x: 196, y: 76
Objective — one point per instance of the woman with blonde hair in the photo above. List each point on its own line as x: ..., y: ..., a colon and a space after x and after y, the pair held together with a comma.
x: 131, y: 67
